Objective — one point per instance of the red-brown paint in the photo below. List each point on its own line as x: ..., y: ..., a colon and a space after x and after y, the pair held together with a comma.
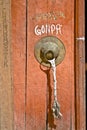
x: 19, y: 61
x: 33, y: 84
x: 37, y: 85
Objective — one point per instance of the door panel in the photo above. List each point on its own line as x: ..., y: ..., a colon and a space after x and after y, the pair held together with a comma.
x: 33, y: 82
x: 39, y: 82
x: 36, y: 79
x: 19, y: 61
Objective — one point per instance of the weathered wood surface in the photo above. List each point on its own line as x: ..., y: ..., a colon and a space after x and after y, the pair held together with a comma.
x: 80, y: 66
x: 36, y: 79
x: 19, y: 61
x: 39, y: 82
x: 26, y: 87
x: 6, y: 89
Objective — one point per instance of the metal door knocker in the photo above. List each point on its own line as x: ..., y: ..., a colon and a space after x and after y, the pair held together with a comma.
x: 50, y: 51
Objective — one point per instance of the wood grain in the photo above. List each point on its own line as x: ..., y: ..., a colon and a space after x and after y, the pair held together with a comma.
x: 39, y: 82
x: 33, y: 83
x: 6, y: 89
x: 19, y: 61
x: 80, y: 66
x: 36, y: 79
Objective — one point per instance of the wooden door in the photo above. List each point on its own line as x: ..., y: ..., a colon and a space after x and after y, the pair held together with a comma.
x: 39, y: 82
x: 31, y: 83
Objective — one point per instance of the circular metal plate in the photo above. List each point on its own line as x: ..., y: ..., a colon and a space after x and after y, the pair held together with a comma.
x: 55, y: 43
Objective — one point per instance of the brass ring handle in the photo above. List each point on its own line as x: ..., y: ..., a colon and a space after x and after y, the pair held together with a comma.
x: 47, y: 48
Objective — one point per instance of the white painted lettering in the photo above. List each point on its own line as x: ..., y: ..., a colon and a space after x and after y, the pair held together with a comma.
x: 48, y: 29
x: 58, y: 29
x: 37, y: 30
x: 53, y: 27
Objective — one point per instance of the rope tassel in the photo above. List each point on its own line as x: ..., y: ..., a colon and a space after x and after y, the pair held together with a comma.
x: 56, y: 106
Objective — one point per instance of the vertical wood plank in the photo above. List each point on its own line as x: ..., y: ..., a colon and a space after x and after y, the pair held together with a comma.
x: 42, y: 13
x: 36, y: 79
x: 19, y: 61
x: 6, y: 90
x: 80, y: 66
x: 65, y: 71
